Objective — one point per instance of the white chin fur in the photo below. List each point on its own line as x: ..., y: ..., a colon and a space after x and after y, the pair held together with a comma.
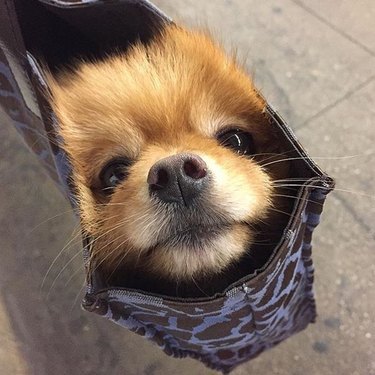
x: 182, y: 262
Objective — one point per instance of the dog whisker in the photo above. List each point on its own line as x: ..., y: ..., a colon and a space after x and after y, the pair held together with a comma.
x: 58, y: 256
x: 61, y: 272
x: 313, y: 157
x: 361, y: 194
x: 93, y: 240
x: 70, y: 211
x: 77, y: 296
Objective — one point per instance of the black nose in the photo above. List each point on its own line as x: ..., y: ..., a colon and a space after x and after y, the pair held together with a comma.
x: 178, y: 178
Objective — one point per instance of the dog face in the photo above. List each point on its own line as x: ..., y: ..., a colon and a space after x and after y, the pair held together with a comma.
x: 165, y: 144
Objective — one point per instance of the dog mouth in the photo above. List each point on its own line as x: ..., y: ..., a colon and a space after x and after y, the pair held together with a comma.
x: 195, y: 228
x: 197, y: 250
x: 195, y: 236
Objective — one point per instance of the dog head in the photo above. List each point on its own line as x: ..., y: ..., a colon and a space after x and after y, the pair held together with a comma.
x: 165, y: 142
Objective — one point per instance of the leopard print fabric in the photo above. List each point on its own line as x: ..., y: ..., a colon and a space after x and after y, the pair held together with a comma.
x: 225, y: 331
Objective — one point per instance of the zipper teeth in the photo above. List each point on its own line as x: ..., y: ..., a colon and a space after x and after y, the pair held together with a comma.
x: 289, y: 234
x: 243, y: 288
x: 137, y: 296
x: 231, y: 293
x: 86, y: 262
x: 86, y: 256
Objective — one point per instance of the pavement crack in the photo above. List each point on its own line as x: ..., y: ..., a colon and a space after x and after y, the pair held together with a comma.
x: 333, y: 27
x: 336, y: 102
x: 358, y: 219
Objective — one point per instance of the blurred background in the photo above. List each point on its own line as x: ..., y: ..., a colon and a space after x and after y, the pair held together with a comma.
x: 314, y: 60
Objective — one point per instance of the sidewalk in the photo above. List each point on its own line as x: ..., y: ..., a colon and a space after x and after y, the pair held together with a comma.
x: 315, y: 62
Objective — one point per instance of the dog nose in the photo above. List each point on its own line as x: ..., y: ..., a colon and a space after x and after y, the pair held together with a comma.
x: 178, y: 178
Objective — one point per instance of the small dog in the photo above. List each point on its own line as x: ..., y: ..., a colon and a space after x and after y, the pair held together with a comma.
x: 167, y: 142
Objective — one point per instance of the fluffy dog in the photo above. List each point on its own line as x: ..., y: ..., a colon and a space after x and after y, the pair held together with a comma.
x: 167, y: 142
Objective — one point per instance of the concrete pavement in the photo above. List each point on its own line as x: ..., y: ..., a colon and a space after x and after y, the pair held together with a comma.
x: 315, y: 61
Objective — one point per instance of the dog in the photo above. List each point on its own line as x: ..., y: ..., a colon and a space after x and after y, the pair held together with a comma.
x: 169, y: 146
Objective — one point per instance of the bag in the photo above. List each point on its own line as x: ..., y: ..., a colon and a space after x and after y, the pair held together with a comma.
x: 253, y: 314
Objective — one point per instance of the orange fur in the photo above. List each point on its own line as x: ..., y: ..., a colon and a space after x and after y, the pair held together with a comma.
x: 170, y: 96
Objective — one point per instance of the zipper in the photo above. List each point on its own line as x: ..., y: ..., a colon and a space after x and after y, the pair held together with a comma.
x: 138, y: 297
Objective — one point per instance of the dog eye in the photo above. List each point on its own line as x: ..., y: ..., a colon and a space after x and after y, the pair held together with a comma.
x: 113, y: 173
x: 238, y: 140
